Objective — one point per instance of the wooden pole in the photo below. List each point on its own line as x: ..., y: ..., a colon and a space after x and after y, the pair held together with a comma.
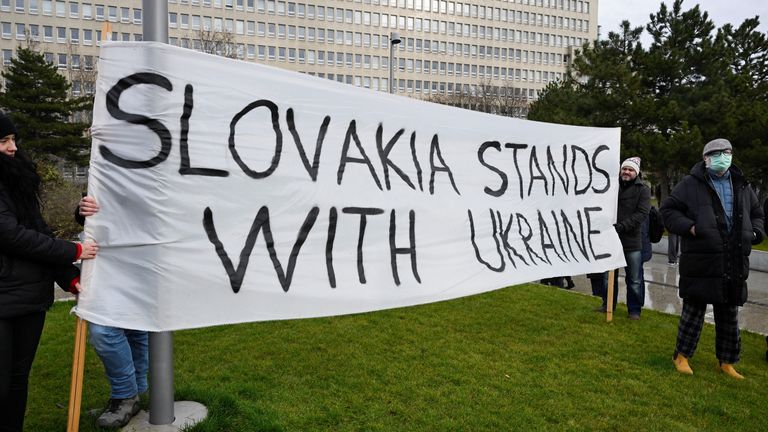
x: 609, y: 300
x: 76, y: 386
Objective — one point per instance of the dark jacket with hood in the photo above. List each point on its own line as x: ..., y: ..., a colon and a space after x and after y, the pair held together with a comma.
x: 714, y: 264
x: 633, y: 207
x: 30, y: 260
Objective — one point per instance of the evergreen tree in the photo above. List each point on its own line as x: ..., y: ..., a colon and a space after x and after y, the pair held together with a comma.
x: 36, y: 98
x: 693, y: 84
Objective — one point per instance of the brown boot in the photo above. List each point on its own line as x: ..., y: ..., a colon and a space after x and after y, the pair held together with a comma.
x: 730, y: 371
x: 681, y: 364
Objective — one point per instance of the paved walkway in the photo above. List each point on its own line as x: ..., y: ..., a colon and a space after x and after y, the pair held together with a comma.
x: 661, y: 294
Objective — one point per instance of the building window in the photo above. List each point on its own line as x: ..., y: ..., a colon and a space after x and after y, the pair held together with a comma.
x: 7, y: 56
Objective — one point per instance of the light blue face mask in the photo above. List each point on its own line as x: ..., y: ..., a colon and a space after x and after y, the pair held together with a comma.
x: 720, y: 163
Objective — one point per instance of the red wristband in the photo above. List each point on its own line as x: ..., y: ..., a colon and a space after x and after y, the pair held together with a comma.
x: 79, y: 251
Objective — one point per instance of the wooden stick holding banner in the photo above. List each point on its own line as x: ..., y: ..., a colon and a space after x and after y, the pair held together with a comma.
x: 609, y: 298
x: 78, y: 367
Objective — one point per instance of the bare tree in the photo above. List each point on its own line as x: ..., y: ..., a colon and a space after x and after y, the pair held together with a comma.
x: 216, y: 41
x: 503, y: 100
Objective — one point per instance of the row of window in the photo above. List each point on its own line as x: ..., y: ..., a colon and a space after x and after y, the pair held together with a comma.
x: 289, y: 8
x: 341, y: 59
x: 366, y: 40
x: 73, y: 9
x: 359, y: 17
x: 58, y: 34
x: 350, y: 60
x: 473, y: 51
x: 62, y: 60
x: 339, y: 37
x: 349, y: 16
x: 452, y: 29
x: 425, y: 87
x: 435, y: 6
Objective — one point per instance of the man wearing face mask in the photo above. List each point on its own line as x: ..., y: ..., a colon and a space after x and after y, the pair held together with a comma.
x: 718, y: 218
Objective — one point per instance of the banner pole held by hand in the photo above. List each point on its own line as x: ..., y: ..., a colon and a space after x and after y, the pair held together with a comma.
x: 78, y: 367
x: 609, y: 298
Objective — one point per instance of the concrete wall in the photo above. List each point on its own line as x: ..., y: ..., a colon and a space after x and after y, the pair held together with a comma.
x: 758, y: 260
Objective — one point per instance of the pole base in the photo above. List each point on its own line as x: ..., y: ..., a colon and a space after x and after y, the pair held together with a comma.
x: 187, y: 414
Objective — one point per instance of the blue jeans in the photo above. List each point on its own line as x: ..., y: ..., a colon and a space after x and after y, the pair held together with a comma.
x: 125, y: 355
x: 635, y: 285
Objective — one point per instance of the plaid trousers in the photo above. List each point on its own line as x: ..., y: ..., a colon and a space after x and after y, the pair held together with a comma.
x: 727, y: 336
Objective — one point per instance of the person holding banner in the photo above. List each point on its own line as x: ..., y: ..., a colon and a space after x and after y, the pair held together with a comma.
x: 123, y: 352
x: 718, y: 218
x: 31, y: 259
x: 633, y: 208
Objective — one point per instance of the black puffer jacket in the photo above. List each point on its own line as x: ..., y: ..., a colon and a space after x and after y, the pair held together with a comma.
x: 30, y: 260
x: 633, y: 207
x: 765, y: 217
x: 714, y: 264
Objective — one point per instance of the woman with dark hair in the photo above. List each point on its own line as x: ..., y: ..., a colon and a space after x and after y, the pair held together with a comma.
x: 31, y: 259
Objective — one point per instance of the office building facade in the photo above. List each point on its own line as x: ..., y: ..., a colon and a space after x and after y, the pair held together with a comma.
x: 515, y: 47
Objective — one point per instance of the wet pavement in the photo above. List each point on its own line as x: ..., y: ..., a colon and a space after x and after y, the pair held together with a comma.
x: 661, y: 294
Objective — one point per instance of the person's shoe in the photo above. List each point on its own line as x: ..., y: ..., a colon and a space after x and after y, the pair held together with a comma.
x: 634, y: 316
x: 681, y: 364
x: 600, y: 309
x: 730, y: 371
x: 118, y: 412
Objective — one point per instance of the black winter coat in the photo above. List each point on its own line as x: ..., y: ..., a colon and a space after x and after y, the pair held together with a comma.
x: 633, y: 207
x: 31, y: 259
x: 765, y: 217
x: 714, y: 264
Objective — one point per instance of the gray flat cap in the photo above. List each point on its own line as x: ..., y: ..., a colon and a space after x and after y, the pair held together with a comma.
x: 717, y: 145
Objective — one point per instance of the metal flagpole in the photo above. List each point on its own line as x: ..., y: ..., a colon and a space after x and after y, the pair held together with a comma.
x: 155, y: 27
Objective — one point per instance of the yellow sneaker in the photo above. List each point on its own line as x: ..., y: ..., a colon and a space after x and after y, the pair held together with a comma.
x: 681, y: 364
x: 730, y: 371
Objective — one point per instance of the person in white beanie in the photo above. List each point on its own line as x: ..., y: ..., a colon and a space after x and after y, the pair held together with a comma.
x: 633, y: 207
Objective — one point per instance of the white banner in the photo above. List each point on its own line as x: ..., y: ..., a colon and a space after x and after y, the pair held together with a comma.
x: 234, y: 192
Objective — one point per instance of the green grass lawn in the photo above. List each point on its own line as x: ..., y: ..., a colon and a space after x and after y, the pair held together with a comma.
x: 523, y: 358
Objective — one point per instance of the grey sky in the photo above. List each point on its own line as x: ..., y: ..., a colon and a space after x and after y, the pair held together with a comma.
x: 612, y: 12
